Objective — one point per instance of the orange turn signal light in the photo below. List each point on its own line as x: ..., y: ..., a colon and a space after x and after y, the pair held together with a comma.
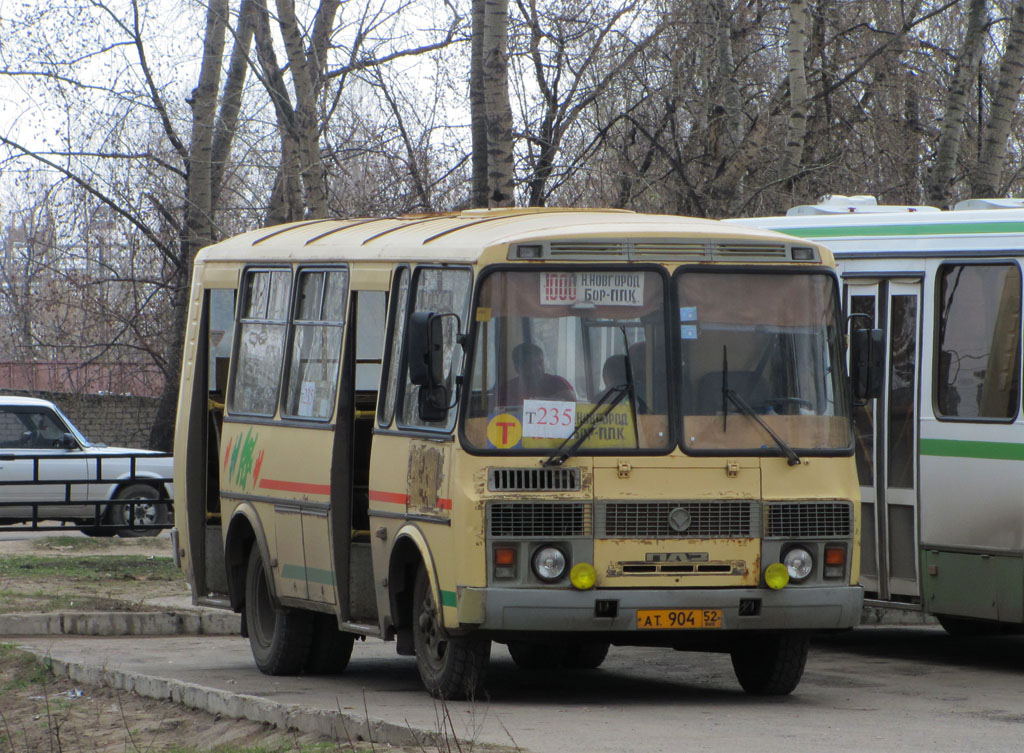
x: 505, y: 557
x: 835, y: 555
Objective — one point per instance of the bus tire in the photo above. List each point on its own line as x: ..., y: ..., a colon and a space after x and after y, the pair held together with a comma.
x: 585, y: 655
x: 279, y: 638
x: 965, y: 627
x: 772, y: 663
x: 534, y: 655
x: 452, y: 668
x: 330, y: 648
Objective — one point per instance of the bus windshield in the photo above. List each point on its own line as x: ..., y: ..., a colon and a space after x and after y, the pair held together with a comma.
x: 760, y: 363
x: 563, y: 357
x: 569, y: 362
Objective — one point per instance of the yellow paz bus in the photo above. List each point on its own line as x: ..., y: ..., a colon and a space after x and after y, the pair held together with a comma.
x: 559, y: 430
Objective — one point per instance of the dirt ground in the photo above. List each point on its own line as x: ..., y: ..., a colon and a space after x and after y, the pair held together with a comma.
x: 39, y: 712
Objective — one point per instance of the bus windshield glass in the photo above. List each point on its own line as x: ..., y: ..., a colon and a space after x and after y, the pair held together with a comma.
x: 760, y: 363
x: 567, y: 358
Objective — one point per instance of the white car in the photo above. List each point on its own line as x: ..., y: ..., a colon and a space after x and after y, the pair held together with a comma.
x: 45, y: 459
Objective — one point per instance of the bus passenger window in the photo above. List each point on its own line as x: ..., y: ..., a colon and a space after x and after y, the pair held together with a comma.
x: 263, y: 322
x: 316, y: 343
x: 977, y: 372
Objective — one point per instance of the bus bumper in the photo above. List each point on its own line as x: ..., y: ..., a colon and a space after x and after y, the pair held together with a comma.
x: 817, y: 608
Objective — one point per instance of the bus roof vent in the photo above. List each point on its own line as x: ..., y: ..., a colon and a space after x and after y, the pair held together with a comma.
x: 533, y: 479
x: 750, y: 252
x: 1004, y: 203
x: 588, y: 250
x: 668, y: 250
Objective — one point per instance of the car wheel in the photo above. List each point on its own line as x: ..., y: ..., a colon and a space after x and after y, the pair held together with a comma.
x: 150, y: 512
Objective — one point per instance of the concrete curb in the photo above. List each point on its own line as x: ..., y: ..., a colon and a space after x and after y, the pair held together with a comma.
x: 335, y: 725
x: 165, y: 622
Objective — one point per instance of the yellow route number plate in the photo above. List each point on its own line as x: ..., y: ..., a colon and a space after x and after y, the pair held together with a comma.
x: 678, y: 619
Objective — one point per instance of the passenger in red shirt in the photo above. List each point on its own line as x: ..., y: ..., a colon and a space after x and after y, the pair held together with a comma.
x: 532, y: 382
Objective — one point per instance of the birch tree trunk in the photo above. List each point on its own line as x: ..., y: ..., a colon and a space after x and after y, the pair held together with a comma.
x: 796, y: 124
x: 985, y: 181
x: 499, y: 109
x: 938, y: 187
x: 727, y: 83
x: 478, y: 108
x: 198, y: 228
x: 307, y: 73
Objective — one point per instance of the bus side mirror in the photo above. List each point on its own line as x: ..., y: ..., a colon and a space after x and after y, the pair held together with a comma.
x: 867, y: 363
x: 426, y: 364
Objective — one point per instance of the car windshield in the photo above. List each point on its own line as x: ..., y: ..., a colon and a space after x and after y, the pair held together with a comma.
x: 760, y: 366
x: 562, y: 360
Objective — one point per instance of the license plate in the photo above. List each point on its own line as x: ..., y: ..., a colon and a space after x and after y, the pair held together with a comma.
x: 678, y: 619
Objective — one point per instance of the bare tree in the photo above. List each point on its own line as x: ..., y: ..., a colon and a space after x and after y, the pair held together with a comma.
x: 494, y: 79
x: 986, y: 177
x: 940, y: 179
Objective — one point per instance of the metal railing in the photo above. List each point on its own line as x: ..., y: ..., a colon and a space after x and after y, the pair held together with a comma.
x: 66, y: 508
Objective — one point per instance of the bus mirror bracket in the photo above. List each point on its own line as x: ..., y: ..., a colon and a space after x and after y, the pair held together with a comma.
x: 867, y: 364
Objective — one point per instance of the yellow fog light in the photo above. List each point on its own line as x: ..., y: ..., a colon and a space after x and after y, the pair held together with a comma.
x: 583, y: 576
x: 776, y: 576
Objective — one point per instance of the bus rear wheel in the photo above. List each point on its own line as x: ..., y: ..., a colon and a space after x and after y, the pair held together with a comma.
x: 330, y: 649
x: 279, y: 638
x: 452, y: 668
x: 772, y: 663
x: 965, y: 627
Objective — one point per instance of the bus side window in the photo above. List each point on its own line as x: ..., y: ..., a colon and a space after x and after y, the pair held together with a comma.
x: 393, y: 350
x: 441, y: 291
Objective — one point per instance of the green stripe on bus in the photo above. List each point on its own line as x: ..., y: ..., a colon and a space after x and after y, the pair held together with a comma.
x: 448, y: 598
x: 308, y: 574
x: 861, y: 231
x: 957, y: 448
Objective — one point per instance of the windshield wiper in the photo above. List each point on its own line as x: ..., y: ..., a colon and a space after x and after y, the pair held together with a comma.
x: 589, y: 423
x: 730, y: 394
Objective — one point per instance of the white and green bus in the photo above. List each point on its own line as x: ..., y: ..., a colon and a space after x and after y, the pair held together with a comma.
x: 940, y: 455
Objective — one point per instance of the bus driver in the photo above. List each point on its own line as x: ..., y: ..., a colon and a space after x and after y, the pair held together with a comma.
x: 532, y: 381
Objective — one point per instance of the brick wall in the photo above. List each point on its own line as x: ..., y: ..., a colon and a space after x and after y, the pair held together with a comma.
x: 116, y: 420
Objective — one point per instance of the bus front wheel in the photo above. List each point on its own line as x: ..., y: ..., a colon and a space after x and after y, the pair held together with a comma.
x: 451, y: 668
x: 279, y: 638
x: 772, y: 663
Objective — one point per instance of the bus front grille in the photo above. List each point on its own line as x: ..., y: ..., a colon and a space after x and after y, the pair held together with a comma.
x: 539, y: 519
x: 706, y: 519
x: 809, y: 520
x: 533, y: 479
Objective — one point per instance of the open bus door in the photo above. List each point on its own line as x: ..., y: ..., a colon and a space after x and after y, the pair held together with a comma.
x: 887, y: 439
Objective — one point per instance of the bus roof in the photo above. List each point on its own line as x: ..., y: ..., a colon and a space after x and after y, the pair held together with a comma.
x: 464, y: 236
x: 976, y: 227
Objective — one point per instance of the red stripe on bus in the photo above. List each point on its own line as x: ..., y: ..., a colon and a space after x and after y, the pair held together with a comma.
x: 403, y: 499
x: 391, y: 497
x: 295, y: 486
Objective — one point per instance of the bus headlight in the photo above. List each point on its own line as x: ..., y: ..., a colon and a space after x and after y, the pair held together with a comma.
x: 549, y: 563
x: 799, y: 563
